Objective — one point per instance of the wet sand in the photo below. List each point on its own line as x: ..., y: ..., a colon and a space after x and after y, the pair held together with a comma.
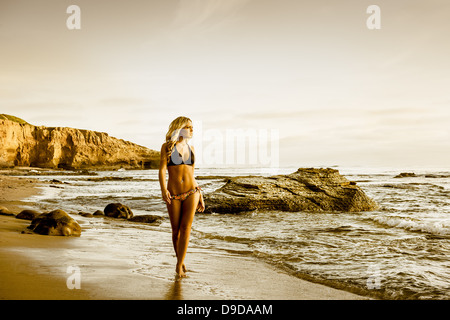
x: 13, y: 191
x: 45, y: 267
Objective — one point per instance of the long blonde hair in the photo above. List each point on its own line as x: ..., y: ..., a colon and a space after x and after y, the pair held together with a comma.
x: 173, y: 134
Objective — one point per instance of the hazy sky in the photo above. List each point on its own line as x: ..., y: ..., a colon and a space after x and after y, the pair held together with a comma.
x: 336, y: 92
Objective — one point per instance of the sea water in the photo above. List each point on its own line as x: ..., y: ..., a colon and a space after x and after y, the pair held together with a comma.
x: 400, y: 251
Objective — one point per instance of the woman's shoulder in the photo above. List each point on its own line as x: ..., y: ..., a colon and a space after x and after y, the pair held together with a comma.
x: 164, y: 146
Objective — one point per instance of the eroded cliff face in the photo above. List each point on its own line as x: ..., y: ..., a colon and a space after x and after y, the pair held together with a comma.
x: 69, y: 148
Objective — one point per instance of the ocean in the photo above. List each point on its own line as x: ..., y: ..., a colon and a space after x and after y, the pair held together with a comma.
x: 400, y: 251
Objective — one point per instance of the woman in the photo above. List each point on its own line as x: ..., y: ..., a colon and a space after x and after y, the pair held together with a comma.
x: 182, y: 193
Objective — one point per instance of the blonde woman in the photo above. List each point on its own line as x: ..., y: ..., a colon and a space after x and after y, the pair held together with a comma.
x: 182, y: 194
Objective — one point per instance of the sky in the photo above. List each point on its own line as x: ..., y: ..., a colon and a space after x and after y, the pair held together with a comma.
x: 305, y: 83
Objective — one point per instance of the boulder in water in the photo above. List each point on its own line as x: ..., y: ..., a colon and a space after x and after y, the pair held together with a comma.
x: 307, y: 189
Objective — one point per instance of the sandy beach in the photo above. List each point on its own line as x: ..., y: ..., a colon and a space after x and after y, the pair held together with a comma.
x: 46, y: 267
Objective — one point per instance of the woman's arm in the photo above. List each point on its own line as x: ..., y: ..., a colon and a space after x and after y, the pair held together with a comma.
x: 162, y: 175
x: 201, y: 202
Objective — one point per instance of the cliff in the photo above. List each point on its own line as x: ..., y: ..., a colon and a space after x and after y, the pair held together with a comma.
x: 23, y: 144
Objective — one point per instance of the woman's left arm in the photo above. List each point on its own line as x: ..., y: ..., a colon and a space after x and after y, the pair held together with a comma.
x: 201, y: 202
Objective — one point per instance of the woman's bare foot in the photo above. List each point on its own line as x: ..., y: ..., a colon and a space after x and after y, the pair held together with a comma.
x: 180, y: 270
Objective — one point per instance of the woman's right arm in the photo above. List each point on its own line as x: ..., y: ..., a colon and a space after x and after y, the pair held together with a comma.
x: 162, y: 175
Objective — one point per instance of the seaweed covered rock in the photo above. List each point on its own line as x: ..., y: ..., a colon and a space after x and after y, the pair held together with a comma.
x: 307, y: 189
x: 55, y: 223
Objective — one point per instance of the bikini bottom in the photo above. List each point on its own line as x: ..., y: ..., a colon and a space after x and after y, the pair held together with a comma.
x: 183, y: 196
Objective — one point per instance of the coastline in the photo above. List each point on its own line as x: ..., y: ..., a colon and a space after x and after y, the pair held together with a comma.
x: 37, y: 267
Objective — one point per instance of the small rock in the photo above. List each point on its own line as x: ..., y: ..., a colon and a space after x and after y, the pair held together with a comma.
x: 86, y: 214
x: 5, y: 211
x: 147, y: 218
x: 99, y: 213
x: 28, y: 214
x: 406, y: 175
x: 118, y: 210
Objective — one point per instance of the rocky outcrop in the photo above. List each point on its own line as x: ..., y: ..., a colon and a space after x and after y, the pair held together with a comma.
x: 55, y: 223
x: 23, y: 144
x: 312, y: 190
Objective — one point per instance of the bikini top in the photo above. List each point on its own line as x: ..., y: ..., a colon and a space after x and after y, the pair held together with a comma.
x: 176, y: 158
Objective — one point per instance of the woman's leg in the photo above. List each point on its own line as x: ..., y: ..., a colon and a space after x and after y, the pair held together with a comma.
x: 187, y: 216
x: 174, y: 210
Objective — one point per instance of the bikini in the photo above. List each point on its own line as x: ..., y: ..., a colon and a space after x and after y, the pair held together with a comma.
x: 176, y: 159
x: 183, y: 196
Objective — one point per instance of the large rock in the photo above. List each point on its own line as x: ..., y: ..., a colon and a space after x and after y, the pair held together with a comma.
x: 55, y: 223
x: 312, y: 190
x: 118, y: 210
x: 23, y: 144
